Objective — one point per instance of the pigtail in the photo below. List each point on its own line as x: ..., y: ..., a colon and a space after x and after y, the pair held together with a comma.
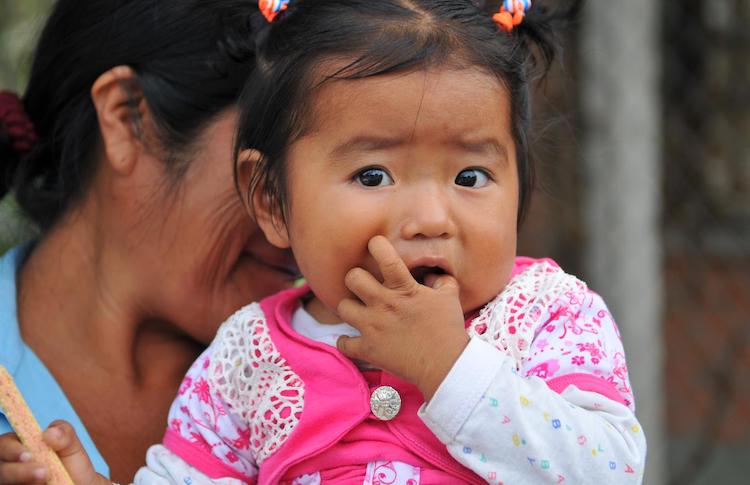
x: 539, y: 34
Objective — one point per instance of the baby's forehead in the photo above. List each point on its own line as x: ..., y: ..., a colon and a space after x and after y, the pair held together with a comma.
x: 465, y: 97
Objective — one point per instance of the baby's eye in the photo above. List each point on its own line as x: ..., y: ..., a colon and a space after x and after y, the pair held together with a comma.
x: 374, y: 177
x: 472, y: 177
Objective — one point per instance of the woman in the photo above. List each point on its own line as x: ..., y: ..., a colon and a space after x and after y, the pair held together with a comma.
x: 121, y: 152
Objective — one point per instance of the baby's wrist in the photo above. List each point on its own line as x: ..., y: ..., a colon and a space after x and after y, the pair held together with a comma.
x: 434, y: 374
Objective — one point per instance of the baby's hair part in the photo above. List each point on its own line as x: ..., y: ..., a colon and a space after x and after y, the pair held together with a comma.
x: 374, y: 38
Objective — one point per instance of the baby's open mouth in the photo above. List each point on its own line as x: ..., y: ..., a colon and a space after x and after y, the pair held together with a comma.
x: 420, y: 273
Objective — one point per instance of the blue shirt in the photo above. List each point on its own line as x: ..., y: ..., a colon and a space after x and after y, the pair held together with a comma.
x: 42, y: 393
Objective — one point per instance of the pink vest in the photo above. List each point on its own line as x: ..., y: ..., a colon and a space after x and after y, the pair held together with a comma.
x: 337, y: 398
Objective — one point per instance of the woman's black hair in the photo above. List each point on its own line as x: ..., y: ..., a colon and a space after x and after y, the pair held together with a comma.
x: 379, y: 37
x: 191, y: 57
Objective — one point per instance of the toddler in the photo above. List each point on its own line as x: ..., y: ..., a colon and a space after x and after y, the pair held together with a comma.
x: 387, y: 146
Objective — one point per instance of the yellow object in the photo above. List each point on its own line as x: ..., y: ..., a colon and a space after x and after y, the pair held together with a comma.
x: 24, y: 424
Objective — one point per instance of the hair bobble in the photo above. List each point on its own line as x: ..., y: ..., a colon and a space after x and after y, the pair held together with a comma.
x: 511, y: 14
x: 16, y: 123
x: 271, y: 8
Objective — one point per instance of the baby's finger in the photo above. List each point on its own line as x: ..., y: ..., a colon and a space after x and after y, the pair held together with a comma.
x: 18, y: 473
x: 12, y: 450
x: 351, y: 347
x: 364, y: 285
x: 352, y: 312
x: 62, y: 438
x: 396, y: 275
x: 442, y: 282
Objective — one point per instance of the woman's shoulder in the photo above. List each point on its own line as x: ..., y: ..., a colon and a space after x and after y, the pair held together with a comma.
x: 40, y: 389
x: 11, y: 345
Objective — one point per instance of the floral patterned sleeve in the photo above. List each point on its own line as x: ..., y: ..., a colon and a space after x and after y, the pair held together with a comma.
x: 541, y: 394
x: 579, y: 343
x: 204, y: 438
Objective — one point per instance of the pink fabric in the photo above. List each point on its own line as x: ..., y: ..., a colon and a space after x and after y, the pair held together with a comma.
x: 587, y: 382
x: 335, y: 387
x: 522, y: 263
x: 579, y: 336
x: 198, y: 458
x: 370, y: 441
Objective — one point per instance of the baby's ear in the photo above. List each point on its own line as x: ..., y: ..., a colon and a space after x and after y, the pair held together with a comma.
x: 266, y: 212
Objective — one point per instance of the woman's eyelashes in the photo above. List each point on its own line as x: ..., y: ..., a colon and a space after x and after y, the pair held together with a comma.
x: 373, y: 177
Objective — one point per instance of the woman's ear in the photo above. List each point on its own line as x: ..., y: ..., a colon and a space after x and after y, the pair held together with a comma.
x: 121, y: 109
x: 266, y: 212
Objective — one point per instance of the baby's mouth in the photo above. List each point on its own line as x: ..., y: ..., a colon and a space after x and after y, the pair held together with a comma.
x: 420, y: 273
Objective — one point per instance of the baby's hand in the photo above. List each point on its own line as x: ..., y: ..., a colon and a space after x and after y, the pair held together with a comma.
x: 413, y: 331
x: 18, y: 466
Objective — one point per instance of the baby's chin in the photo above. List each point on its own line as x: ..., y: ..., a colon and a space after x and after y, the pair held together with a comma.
x: 321, y: 312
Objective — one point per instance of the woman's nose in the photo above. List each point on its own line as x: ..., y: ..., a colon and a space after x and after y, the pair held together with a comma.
x: 427, y: 215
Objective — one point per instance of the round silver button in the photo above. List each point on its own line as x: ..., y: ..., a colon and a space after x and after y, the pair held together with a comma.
x: 385, y: 403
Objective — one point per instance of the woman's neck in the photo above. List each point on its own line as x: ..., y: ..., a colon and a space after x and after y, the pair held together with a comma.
x: 80, y: 303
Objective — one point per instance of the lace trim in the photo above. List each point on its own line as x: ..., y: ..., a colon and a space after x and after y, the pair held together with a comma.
x: 256, y: 382
x: 509, y: 321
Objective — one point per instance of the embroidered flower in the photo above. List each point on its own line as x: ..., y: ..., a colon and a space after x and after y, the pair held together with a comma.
x: 200, y: 441
x: 186, y: 383
x: 243, y: 441
x: 176, y: 424
x: 202, y: 390
x: 578, y: 360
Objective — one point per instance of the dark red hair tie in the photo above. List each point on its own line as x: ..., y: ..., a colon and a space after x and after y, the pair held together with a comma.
x: 16, y: 123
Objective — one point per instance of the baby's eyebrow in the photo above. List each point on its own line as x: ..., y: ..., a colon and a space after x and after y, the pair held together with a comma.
x: 488, y: 146
x: 360, y: 144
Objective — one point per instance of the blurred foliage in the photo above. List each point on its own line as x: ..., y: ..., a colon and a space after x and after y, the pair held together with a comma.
x: 20, y: 24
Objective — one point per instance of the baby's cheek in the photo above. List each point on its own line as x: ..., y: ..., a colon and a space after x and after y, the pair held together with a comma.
x: 484, y: 285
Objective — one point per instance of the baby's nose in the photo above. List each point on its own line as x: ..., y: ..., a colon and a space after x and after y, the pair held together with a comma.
x: 427, y: 216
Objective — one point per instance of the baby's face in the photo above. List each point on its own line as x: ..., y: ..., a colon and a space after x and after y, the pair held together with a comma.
x: 425, y: 159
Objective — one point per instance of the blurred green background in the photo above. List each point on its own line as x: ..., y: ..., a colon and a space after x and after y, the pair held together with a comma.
x: 20, y: 22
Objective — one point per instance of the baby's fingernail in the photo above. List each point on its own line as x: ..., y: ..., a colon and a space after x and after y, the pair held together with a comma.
x: 40, y: 473
x: 54, y: 432
x: 25, y: 456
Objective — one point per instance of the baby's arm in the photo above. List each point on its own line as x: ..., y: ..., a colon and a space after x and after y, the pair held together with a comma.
x: 205, y: 441
x: 509, y: 425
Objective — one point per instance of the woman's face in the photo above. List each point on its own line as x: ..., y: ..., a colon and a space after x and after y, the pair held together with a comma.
x: 202, y: 257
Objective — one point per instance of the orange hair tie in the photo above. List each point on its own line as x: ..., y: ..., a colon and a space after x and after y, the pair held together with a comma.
x: 271, y: 8
x: 511, y: 14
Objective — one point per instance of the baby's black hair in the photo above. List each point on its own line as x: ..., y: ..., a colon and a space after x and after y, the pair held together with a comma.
x: 378, y: 37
